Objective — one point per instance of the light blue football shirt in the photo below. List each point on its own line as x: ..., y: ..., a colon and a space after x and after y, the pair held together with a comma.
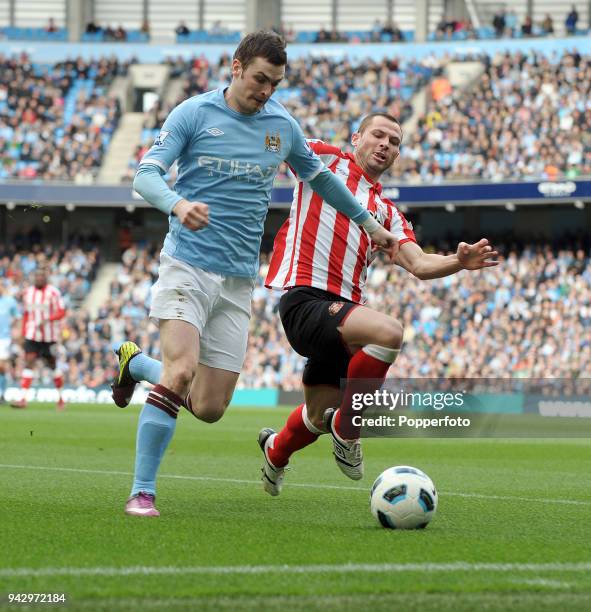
x: 8, y: 312
x: 229, y: 161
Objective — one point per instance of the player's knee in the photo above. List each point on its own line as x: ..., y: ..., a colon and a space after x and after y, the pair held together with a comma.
x: 392, y: 334
x: 180, y: 378
x: 211, y: 407
x: 209, y: 416
x: 211, y: 411
x: 316, y: 418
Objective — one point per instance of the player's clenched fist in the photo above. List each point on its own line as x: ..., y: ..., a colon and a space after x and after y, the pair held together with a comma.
x: 386, y: 242
x: 193, y: 215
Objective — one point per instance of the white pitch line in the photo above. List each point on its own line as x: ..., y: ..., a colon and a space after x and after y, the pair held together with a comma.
x: 555, y: 584
x: 347, y: 568
x: 540, y: 500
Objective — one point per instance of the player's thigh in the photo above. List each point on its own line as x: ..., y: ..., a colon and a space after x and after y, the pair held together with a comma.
x: 48, y: 354
x: 366, y: 326
x: 179, y: 347
x: 4, y: 351
x: 225, y: 336
x: 211, y: 392
x: 32, y: 352
x: 223, y: 348
x: 311, y: 319
x: 182, y: 299
x: 319, y: 398
x: 183, y: 293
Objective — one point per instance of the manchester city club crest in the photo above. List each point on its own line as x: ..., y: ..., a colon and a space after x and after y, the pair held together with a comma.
x: 273, y: 142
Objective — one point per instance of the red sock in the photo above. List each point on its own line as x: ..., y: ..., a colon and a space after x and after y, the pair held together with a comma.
x: 58, y: 381
x: 26, y: 382
x: 371, y: 362
x: 26, y: 379
x: 293, y: 437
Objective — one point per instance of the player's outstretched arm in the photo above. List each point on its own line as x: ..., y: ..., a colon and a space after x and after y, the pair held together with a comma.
x: 428, y: 265
x: 150, y: 184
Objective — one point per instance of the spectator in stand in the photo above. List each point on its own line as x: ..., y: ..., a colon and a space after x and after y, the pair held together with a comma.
x: 336, y: 36
x: 145, y: 28
x: 323, y: 35
x: 218, y: 28
x: 571, y: 21
x: 498, y: 23
x: 528, y: 26
x: 51, y: 26
x: 376, y: 31
x: 393, y: 31
x: 108, y: 34
x: 547, y: 24
x: 182, y: 29
x: 120, y: 34
x: 440, y: 88
x: 287, y: 32
x: 92, y: 27
x: 511, y: 23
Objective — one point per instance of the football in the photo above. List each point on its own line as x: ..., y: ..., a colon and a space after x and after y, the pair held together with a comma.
x: 403, y: 497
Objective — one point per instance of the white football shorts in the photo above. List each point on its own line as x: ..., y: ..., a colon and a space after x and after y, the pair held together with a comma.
x: 218, y: 306
x: 4, y: 349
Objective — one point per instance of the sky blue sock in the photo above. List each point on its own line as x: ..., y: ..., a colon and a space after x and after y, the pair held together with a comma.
x: 2, y: 384
x: 154, y: 432
x: 142, y: 367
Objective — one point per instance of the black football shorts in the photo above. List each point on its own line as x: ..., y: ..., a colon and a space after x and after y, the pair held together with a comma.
x: 311, y: 318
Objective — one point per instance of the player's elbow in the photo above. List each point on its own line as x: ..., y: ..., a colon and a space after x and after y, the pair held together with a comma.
x: 138, y: 182
x: 420, y: 274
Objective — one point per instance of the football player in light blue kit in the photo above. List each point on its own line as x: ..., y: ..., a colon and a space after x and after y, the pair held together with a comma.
x: 229, y: 144
x: 8, y: 313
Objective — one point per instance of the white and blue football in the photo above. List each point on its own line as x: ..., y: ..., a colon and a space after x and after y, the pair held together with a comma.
x: 403, y: 497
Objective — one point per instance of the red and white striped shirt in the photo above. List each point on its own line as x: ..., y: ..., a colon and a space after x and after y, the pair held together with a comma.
x: 43, y: 310
x: 320, y: 247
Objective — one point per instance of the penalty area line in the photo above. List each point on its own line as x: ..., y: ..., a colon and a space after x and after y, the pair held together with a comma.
x: 347, y: 568
x: 302, y: 485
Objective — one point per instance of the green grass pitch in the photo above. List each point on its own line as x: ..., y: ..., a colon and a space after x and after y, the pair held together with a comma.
x: 513, y: 529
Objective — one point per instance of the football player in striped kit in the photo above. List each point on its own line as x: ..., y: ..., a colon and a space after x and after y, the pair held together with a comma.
x: 321, y: 260
x: 43, y: 310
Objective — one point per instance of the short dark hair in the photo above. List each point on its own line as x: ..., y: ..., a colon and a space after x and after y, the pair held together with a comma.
x: 368, y: 118
x: 268, y: 45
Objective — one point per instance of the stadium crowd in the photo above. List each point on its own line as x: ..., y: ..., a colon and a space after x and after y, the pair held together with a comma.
x: 56, y: 120
x: 539, y: 127
x: 529, y: 317
x: 529, y: 116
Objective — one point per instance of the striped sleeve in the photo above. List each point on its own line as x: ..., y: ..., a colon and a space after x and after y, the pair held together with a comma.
x: 326, y: 152
x: 396, y: 222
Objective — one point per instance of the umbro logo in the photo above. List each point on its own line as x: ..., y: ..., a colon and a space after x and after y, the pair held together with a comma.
x: 214, y: 131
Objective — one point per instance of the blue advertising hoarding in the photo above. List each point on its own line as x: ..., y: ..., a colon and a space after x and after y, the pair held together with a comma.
x: 475, y: 193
